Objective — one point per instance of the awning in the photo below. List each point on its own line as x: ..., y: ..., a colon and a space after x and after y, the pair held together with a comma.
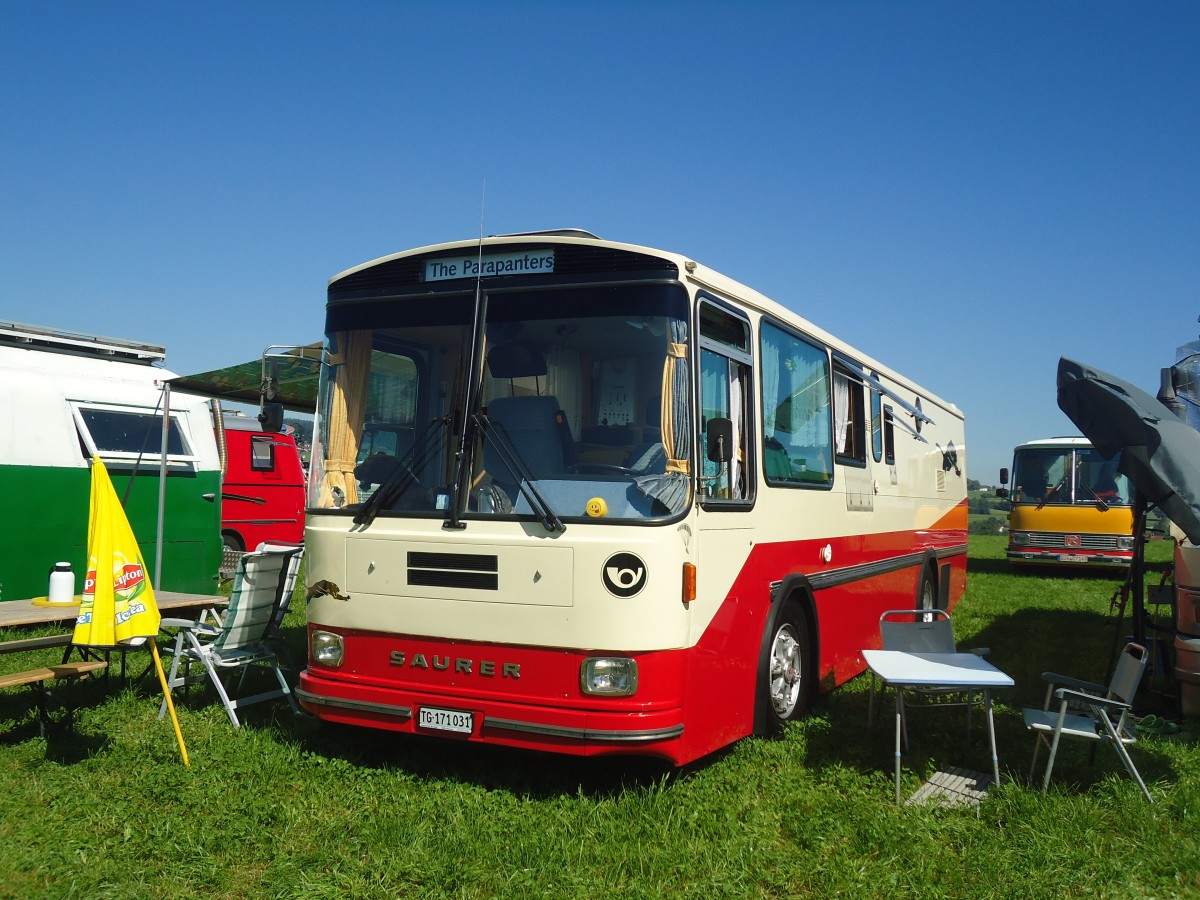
x: 291, y: 371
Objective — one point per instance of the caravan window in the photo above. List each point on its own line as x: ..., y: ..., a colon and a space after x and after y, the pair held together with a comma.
x: 124, y: 433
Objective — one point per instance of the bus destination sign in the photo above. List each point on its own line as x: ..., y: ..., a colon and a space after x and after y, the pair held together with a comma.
x: 537, y: 262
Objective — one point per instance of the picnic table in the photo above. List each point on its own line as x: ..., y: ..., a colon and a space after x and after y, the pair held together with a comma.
x: 37, y: 612
x: 19, y: 613
x: 25, y: 613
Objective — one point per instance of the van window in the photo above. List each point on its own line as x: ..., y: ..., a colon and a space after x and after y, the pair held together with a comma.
x: 123, y: 433
x: 262, y: 453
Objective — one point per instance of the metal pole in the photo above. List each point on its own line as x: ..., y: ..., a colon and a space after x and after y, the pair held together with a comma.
x: 162, y: 485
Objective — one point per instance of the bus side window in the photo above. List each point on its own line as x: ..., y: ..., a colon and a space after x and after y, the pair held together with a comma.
x: 889, y: 436
x: 797, y: 424
x: 876, y: 426
x: 849, y: 419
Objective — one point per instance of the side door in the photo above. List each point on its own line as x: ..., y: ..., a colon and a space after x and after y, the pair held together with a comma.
x: 727, y: 468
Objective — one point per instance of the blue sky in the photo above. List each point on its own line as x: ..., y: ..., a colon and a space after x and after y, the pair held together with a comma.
x: 965, y: 190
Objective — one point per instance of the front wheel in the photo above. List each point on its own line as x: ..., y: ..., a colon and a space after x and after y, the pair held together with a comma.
x: 785, y: 681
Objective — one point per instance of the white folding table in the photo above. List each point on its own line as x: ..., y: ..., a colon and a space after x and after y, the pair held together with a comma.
x: 963, y: 671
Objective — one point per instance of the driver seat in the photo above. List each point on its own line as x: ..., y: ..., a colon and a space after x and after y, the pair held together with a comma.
x: 534, y: 427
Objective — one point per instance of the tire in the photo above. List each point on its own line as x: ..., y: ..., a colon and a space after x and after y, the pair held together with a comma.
x: 232, y: 542
x: 927, y: 591
x: 784, y: 679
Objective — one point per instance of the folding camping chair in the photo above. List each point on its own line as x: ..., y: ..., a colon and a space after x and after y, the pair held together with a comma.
x: 291, y: 575
x: 240, y: 641
x: 1085, y: 710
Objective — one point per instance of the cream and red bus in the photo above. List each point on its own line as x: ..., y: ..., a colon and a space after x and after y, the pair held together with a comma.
x: 595, y: 498
x: 1069, y: 506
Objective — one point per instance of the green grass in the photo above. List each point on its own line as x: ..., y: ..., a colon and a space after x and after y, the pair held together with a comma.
x: 288, y: 807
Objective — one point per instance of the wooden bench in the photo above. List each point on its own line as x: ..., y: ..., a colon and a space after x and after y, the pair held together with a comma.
x: 35, y: 643
x: 37, y: 678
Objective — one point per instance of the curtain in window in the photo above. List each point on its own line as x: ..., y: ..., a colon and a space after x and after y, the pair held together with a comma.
x: 352, y: 365
x: 841, y: 409
x: 564, y: 381
x: 674, y: 488
x: 735, y: 415
x: 772, y: 362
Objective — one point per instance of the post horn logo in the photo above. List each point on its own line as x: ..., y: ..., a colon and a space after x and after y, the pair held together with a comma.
x: 624, y: 575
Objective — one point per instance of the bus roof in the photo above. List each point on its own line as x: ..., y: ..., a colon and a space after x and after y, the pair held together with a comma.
x: 1073, y: 442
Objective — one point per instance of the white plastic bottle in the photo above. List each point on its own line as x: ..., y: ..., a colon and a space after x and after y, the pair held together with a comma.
x: 62, y: 584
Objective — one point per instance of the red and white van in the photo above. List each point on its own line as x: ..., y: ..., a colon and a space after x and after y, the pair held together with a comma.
x: 262, y: 497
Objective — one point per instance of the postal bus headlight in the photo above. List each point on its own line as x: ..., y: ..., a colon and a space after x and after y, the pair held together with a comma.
x: 1020, y: 538
x: 326, y: 648
x: 612, y: 676
x: 1125, y: 542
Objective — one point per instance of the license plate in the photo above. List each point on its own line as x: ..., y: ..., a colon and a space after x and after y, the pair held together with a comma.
x: 446, y: 720
x: 1072, y: 557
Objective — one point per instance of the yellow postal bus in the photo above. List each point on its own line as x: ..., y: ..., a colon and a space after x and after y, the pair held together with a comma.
x: 1070, y: 506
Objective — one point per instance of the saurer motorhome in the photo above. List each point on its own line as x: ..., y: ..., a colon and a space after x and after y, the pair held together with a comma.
x: 630, y: 506
x: 66, y: 398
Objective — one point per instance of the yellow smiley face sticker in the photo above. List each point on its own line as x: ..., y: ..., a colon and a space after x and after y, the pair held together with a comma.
x: 596, y: 507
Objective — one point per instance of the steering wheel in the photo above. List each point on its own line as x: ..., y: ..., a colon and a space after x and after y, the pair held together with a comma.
x: 598, y: 469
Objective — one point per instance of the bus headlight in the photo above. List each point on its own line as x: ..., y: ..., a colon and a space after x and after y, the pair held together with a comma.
x: 1125, y: 542
x: 1020, y: 538
x: 613, y: 676
x: 326, y: 648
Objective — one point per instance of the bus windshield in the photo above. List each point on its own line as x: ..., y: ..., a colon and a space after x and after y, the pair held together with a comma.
x: 1066, y: 475
x: 557, y: 405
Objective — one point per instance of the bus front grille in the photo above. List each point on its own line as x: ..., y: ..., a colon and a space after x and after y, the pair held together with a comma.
x: 469, y: 571
x: 1058, y: 540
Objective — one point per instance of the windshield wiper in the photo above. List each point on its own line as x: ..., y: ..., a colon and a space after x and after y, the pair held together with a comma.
x: 518, y: 470
x: 401, y: 477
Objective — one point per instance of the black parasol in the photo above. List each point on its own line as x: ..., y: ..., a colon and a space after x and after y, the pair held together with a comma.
x: 1160, y: 453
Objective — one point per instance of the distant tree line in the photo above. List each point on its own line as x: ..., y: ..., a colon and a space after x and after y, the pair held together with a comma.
x: 302, y: 429
x: 988, y: 513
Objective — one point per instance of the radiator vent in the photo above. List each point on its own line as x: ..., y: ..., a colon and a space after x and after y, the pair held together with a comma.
x: 472, y: 572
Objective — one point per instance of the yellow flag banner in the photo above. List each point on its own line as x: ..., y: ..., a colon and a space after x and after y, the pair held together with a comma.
x: 117, y: 604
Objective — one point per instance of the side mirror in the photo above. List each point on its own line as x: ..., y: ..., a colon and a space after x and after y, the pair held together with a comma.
x: 270, y: 418
x: 1004, y: 476
x: 720, y: 440
x: 1002, y: 493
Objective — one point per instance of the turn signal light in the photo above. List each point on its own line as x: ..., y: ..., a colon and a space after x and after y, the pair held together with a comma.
x: 689, y: 582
